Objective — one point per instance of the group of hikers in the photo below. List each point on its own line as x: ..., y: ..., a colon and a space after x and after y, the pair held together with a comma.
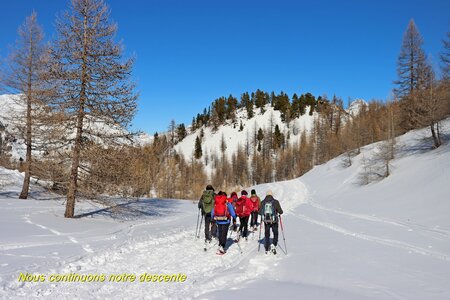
x: 219, y: 211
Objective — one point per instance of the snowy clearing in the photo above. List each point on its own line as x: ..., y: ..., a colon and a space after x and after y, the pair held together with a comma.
x: 385, y: 240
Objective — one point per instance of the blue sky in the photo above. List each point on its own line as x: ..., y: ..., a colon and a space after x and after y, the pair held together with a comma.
x: 189, y: 53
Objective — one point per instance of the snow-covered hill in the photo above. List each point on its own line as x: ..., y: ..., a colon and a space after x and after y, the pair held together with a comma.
x: 386, y: 240
x: 234, y: 137
x: 12, y: 116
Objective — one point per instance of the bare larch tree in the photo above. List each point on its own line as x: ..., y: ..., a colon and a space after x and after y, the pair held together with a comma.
x: 94, y: 84
x: 24, y: 77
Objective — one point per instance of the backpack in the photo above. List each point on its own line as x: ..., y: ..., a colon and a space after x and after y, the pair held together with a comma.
x: 221, y: 208
x: 207, y: 199
x: 269, y: 213
x: 255, y: 202
x: 244, y: 207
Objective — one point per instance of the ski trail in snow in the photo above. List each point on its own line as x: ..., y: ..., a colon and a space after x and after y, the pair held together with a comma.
x: 30, y: 245
x: 383, y: 241
x: 205, y: 270
x: 73, y: 240
x: 408, y: 225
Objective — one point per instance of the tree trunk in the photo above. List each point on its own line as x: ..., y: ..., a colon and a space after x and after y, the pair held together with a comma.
x: 435, y: 136
x: 438, y: 132
x: 26, y: 180
x: 70, y: 205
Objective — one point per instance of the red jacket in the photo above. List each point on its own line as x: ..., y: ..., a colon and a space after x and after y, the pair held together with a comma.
x: 244, y: 207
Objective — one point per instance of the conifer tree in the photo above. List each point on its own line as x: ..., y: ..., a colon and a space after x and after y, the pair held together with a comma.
x: 278, y: 138
x: 198, y: 148
x: 413, y: 72
x: 231, y: 108
x: 94, y: 81
x: 248, y: 104
x: 181, y: 132
x: 260, y: 135
x: 26, y: 78
x: 411, y: 59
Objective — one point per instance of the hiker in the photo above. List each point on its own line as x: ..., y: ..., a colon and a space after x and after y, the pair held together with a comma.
x: 233, y: 198
x: 222, y: 213
x: 269, y: 211
x: 256, y: 202
x: 206, y: 204
x: 244, y: 208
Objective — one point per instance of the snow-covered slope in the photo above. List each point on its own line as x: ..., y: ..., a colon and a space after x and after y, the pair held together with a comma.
x: 385, y: 240
x: 12, y: 115
x: 234, y: 138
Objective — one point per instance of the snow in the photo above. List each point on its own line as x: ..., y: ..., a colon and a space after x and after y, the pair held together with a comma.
x: 386, y: 240
x: 356, y: 106
x: 9, y: 108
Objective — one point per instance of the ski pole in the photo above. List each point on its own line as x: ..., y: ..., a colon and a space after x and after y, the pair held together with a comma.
x: 196, y: 227
x: 282, y: 231
x: 259, y: 239
x: 200, y: 228
x: 237, y: 242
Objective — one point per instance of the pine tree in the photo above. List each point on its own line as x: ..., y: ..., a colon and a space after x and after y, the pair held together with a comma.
x: 26, y: 78
x: 248, y: 104
x: 193, y: 124
x: 181, y: 132
x: 309, y: 100
x: 231, y: 108
x: 278, y: 138
x: 198, y: 148
x: 260, y: 100
x: 295, y: 107
x: 260, y: 135
x: 94, y: 80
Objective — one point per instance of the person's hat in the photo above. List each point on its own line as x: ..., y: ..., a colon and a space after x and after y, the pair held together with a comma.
x: 209, y: 187
x: 269, y: 193
x: 253, y: 192
x: 244, y: 192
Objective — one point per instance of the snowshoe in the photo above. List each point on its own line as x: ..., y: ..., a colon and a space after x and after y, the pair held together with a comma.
x: 220, y: 251
x: 273, y: 249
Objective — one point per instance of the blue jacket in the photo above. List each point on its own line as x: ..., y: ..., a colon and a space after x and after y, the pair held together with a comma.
x: 230, y: 210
